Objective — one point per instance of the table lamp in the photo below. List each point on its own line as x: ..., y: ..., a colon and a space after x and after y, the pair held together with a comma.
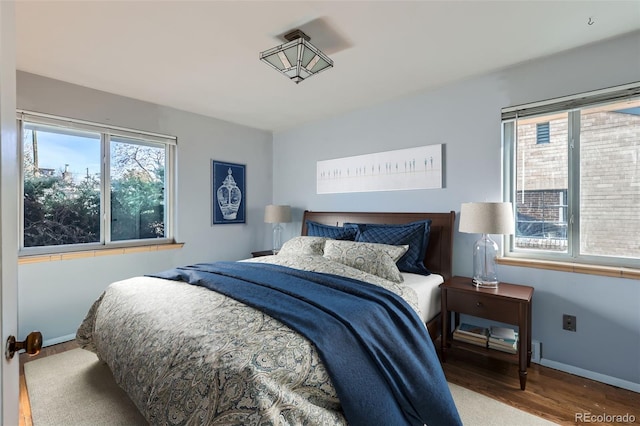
x: 485, y: 219
x: 277, y: 214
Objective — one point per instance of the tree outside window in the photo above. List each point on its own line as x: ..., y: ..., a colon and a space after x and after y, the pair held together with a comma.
x: 64, y: 196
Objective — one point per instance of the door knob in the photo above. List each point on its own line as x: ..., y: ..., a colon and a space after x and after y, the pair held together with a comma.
x: 31, y: 345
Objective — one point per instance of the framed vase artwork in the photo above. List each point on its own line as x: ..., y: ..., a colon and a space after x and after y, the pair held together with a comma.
x: 228, y: 192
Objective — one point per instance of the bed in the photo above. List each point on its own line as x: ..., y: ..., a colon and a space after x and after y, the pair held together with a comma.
x: 188, y: 355
x: 438, y: 258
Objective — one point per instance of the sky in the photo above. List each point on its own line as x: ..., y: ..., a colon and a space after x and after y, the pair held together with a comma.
x: 56, y: 150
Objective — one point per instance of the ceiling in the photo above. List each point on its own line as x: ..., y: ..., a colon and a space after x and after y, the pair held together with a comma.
x: 202, y: 56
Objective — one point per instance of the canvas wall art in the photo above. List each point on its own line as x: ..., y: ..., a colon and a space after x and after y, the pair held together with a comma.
x: 403, y: 169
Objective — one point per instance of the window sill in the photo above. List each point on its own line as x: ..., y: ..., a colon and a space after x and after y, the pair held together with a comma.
x: 609, y: 271
x: 25, y: 260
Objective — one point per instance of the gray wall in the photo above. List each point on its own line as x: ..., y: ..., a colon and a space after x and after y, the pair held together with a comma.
x: 54, y: 297
x: 466, y: 118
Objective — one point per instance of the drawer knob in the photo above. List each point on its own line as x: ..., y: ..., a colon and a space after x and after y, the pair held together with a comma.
x: 479, y: 304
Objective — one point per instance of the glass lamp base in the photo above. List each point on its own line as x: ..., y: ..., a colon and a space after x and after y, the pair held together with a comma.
x: 484, y: 284
x: 484, y: 263
x: 277, y: 238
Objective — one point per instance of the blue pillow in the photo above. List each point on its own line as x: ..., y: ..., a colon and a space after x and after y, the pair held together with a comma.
x: 315, y: 229
x: 415, y: 234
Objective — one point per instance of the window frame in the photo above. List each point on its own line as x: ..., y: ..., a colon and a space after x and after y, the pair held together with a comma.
x: 106, y: 132
x: 572, y: 105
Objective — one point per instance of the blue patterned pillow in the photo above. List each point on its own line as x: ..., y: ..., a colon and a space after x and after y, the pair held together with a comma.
x: 415, y: 234
x: 347, y: 232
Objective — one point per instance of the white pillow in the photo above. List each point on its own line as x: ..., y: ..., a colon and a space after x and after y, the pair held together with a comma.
x: 372, y: 258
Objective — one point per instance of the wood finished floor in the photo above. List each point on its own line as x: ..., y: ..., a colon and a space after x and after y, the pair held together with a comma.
x: 550, y: 393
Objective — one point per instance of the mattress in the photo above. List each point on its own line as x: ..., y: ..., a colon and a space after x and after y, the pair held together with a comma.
x: 427, y: 289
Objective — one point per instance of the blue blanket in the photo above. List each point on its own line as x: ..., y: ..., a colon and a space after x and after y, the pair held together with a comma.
x: 377, y: 352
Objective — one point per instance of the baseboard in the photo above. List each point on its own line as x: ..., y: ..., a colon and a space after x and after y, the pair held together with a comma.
x: 61, y: 339
x: 603, y: 378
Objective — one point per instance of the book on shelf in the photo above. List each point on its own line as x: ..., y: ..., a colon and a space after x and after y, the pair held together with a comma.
x: 502, y: 332
x: 470, y: 333
x: 469, y: 339
x: 511, y: 350
x: 472, y: 330
x: 505, y: 345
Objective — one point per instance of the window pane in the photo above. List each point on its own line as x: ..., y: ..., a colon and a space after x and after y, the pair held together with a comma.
x: 61, y: 186
x: 610, y: 180
x: 137, y: 190
x: 541, y: 184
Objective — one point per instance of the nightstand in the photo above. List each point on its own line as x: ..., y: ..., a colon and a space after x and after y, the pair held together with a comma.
x: 261, y: 253
x: 509, y: 303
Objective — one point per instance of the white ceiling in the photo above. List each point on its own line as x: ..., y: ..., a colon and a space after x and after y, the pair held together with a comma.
x: 202, y: 56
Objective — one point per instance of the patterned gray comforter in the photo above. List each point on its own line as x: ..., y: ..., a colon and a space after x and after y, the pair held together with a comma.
x: 188, y: 355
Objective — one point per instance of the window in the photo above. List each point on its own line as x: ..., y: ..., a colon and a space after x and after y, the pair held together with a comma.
x: 576, y: 196
x: 542, y: 132
x: 87, y: 185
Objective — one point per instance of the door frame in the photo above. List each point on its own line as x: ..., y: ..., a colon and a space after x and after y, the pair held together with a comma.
x: 9, y: 369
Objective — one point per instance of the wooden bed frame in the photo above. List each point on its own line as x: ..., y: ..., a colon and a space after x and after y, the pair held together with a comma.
x: 439, y: 255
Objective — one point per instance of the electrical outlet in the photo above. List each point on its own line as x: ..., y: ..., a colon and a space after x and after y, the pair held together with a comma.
x: 535, y: 351
x: 569, y: 322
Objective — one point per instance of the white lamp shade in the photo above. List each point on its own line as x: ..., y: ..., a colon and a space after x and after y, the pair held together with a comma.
x: 277, y: 214
x: 487, y: 218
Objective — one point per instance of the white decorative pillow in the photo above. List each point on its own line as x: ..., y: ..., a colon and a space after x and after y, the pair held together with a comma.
x: 372, y: 258
x: 303, y: 245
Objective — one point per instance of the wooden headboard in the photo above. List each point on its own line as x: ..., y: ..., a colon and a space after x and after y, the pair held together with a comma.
x: 439, y: 254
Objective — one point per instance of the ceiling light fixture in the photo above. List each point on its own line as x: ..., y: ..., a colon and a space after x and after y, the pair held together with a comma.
x: 298, y: 59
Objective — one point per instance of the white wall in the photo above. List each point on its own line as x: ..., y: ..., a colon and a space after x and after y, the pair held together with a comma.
x: 466, y: 118
x: 54, y: 297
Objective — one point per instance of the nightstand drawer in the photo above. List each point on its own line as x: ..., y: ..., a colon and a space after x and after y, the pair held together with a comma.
x: 479, y: 305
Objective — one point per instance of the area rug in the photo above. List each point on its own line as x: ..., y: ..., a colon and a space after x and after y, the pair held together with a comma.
x: 73, y: 388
